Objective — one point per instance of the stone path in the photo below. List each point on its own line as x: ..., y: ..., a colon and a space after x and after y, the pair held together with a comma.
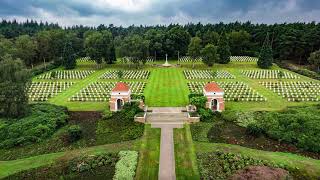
x: 167, y: 119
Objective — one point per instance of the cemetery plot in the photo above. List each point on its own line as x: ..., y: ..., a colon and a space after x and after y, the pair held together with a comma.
x: 100, y: 91
x: 66, y: 75
x: 295, y: 91
x: 207, y: 74
x: 233, y: 91
x: 269, y: 74
x: 85, y: 59
x: 127, y: 74
x: 243, y: 59
x: 42, y: 91
x: 189, y: 59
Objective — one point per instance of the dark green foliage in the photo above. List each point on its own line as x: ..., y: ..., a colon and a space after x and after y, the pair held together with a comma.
x: 43, y: 121
x: 221, y: 165
x: 14, y: 79
x: 224, y: 49
x: 209, y: 55
x: 315, y: 59
x: 74, y: 132
x: 254, y: 130
x: 69, y: 56
x: 206, y: 115
x: 266, y: 55
x: 296, y: 125
x: 302, y: 71
x: 198, y: 101
x: 87, y: 163
x: 120, y: 126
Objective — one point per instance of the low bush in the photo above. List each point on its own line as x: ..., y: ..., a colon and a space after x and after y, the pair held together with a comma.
x: 44, y: 121
x: 302, y: 71
x: 220, y: 165
x: 90, y: 162
x: 205, y: 114
x: 120, y: 126
x: 296, y: 125
x: 74, y: 132
x: 199, y: 101
x: 126, y: 166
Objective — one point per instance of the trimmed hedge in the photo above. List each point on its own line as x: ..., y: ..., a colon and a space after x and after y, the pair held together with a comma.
x: 126, y: 166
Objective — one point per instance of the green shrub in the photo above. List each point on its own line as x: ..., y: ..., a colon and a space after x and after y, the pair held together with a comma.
x: 120, y: 126
x: 221, y: 165
x: 44, y: 121
x: 199, y: 131
x: 126, y: 166
x: 199, y: 101
x: 296, y: 125
x: 205, y: 114
x: 89, y: 162
x: 254, y: 130
x: 74, y: 132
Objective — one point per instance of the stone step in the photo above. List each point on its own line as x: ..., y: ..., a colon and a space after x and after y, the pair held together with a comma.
x: 166, y: 124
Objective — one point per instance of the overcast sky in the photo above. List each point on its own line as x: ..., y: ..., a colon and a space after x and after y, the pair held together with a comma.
x: 152, y: 12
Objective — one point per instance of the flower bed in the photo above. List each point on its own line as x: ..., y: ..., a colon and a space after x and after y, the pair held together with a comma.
x: 243, y: 59
x: 295, y: 91
x: 207, y: 74
x: 66, y: 75
x: 42, y: 91
x: 128, y: 74
x: 234, y: 91
x: 269, y: 74
x: 100, y: 91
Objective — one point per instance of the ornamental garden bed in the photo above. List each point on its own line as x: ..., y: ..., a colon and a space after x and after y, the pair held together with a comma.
x: 295, y: 91
x: 231, y: 133
x: 269, y: 74
x: 234, y: 91
x: 207, y: 74
x: 127, y: 74
x: 67, y: 74
x: 100, y: 91
x: 42, y: 91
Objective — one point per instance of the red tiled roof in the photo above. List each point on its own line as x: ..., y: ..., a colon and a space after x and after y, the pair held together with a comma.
x: 212, y: 87
x: 121, y: 86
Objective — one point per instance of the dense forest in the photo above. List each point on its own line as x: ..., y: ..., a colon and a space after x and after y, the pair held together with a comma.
x: 37, y: 42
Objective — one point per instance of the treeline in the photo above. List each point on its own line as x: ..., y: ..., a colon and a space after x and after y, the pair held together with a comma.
x: 35, y: 42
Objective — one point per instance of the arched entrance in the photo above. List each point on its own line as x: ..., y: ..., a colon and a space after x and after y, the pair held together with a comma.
x: 119, y: 104
x: 214, y: 105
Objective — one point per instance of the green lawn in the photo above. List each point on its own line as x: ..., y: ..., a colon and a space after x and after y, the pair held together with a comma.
x: 166, y: 87
x: 149, y: 154
x: 186, y: 162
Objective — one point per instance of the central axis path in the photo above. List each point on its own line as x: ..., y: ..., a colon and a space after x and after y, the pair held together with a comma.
x: 167, y: 119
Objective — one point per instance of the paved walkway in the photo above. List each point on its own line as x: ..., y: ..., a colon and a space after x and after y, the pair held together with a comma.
x: 167, y: 161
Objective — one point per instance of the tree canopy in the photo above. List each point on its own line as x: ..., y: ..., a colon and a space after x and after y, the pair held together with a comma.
x: 14, y: 80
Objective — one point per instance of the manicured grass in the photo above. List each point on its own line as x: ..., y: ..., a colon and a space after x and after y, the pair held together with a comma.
x: 166, y: 87
x: 148, y: 165
x: 186, y: 162
x: 308, y: 166
x: 11, y: 167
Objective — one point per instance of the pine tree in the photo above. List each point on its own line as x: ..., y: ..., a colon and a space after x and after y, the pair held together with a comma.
x: 69, y: 58
x: 112, y: 55
x: 266, y: 55
x: 224, y: 49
